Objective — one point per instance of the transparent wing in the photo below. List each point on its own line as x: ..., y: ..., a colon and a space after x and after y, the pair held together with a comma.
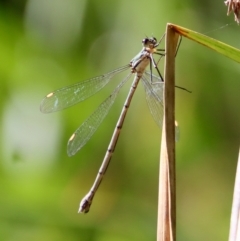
x: 154, y: 96
x: 73, y: 94
x: 81, y: 136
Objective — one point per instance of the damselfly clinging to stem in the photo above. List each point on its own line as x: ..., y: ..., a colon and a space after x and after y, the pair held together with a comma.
x: 70, y: 95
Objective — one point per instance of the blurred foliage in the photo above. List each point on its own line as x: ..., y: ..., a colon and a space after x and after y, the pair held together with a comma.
x: 45, y: 45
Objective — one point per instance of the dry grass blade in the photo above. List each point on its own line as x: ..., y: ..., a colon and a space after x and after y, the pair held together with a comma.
x: 234, y: 227
x: 167, y: 189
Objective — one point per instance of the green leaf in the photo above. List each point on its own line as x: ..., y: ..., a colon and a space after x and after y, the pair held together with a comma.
x: 214, y: 44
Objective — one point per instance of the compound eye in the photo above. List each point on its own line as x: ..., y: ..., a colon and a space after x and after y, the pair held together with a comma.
x: 145, y: 41
x: 153, y: 40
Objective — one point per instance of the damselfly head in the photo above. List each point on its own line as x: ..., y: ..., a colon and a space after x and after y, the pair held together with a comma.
x: 149, y: 42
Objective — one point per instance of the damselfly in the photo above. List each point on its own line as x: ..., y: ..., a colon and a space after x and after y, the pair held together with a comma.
x: 71, y: 95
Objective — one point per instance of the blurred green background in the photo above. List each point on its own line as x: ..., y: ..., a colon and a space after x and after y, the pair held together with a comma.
x: 45, y: 45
